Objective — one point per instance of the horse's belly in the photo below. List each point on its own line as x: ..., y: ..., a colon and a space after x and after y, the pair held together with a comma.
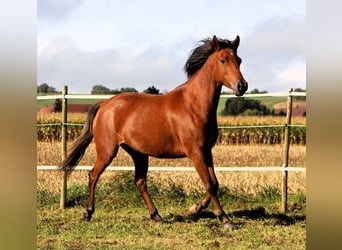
x: 156, y: 145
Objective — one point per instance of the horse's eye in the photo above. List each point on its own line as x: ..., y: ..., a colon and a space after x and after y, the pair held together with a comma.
x: 223, y: 60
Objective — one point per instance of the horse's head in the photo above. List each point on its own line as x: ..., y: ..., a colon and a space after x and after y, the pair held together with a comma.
x: 227, y: 69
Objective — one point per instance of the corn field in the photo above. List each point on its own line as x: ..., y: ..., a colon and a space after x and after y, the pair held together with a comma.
x: 227, y: 136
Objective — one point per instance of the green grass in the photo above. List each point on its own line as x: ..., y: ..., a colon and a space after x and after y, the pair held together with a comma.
x: 44, y: 103
x: 121, y: 220
x: 269, y: 102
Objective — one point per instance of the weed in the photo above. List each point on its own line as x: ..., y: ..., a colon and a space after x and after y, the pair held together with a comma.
x: 76, y: 195
x: 44, y: 197
x: 270, y: 194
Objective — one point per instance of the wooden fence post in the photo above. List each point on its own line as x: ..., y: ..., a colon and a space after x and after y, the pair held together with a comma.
x: 64, y: 145
x: 286, y: 153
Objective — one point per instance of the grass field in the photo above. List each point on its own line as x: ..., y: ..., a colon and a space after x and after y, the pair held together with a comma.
x: 121, y: 220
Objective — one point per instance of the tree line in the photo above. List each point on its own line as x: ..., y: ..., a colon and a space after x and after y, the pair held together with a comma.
x: 44, y: 88
x: 247, y: 106
x: 233, y: 106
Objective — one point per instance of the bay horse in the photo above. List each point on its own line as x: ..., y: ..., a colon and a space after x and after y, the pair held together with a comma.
x: 181, y: 123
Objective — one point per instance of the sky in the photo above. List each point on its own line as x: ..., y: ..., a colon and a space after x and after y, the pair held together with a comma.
x: 131, y: 43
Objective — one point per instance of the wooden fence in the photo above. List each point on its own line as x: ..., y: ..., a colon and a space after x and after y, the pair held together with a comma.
x: 284, y: 168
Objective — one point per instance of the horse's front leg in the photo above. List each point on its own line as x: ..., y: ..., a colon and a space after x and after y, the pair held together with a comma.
x: 204, y: 166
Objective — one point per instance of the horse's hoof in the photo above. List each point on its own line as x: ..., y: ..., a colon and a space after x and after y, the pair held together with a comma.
x: 194, y: 209
x: 158, y: 222
x: 86, y: 217
x: 229, y: 225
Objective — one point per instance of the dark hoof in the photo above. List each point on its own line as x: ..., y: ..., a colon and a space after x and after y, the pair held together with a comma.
x: 86, y: 216
x: 157, y: 219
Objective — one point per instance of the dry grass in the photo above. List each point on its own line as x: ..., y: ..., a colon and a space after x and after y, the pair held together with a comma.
x: 227, y: 156
x: 226, y: 136
x: 258, y: 120
x: 221, y: 120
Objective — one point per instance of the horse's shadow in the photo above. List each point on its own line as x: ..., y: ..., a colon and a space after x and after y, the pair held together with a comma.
x: 172, y: 218
x: 246, y: 214
x: 261, y: 214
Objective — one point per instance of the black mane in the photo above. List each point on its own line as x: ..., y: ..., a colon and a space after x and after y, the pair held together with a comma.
x: 200, y: 54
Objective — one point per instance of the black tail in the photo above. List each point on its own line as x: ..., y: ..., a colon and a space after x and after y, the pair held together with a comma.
x: 78, y: 148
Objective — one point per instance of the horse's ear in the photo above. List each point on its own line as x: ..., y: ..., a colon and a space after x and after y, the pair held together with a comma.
x: 236, y: 42
x: 216, y: 43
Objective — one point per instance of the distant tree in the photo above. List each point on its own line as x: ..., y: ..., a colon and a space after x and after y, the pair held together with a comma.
x: 152, y: 90
x: 256, y: 91
x: 51, y: 90
x: 281, y: 113
x: 45, y: 88
x: 57, y: 107
x: 128, y: 89
x: 123, y: 90
x: 303, y: 98
x: 42, y: 88
x: 299, y: 90
x: 101, y: 90
x: 242, y: 106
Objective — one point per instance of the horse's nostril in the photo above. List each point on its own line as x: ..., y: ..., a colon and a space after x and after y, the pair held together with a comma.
x: 239, y: 86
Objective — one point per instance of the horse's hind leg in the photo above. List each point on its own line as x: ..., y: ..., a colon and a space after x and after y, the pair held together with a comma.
x: 197, y: 208
x: 141, y: 167
x: 104, y: 157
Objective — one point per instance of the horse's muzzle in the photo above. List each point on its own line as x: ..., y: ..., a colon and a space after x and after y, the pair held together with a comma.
x: 241, y: 88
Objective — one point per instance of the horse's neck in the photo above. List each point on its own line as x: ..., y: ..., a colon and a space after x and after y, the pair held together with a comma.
x: 205, y: 94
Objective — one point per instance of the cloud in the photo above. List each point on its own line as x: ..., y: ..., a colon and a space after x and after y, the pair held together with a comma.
x: 53, y: 10
x: 117, y: 50
x: 294, y: 75
x: 63, y: 62
x: 272, y: 61
x: 274, y: 54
